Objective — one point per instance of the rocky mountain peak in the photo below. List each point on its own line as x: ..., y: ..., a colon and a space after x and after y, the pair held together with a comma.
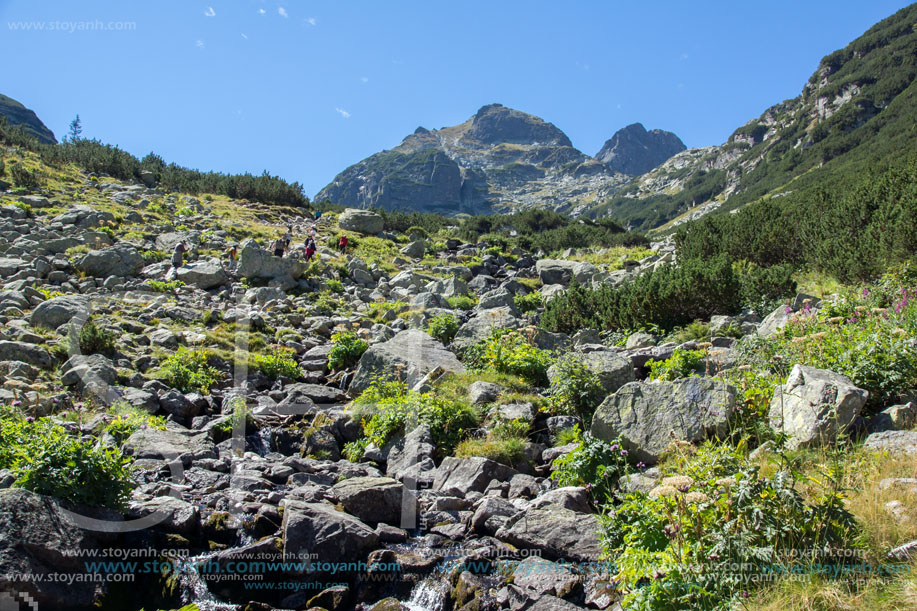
x: 495, y: 124
x: 634, y: 150
x: 17, y: 114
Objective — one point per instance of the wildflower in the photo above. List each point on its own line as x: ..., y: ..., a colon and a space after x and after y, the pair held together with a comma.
x: 865, y: 292
x: 623, y: 452
x: 678, y: 481
x: 672, y: 529
x: 696, y: 497
x: 640, y: 465
x: 860, y: 309
x: 29, y: 419
x: 16, y: 403
x: 662, y: 491
x: 614, y: 447
x: 836, y: 320
x: 726, y: 482
x: 142, y: 427
x: 878, y: 310
x: 819, y: 336
x: 789, y: 310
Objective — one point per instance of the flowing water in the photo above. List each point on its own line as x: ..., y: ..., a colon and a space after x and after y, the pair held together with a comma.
x: 428, y: 595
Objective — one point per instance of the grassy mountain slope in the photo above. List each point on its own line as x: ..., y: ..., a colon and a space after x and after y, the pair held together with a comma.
x: 856, y: 111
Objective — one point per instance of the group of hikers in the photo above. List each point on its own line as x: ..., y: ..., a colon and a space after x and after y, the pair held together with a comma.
x: 278, y: 247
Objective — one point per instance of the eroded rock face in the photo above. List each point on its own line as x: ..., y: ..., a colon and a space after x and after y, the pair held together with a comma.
x: 469, y: 474
x: 413, y: 352
x: 202, y: 274
x: 648, y: 416
x: 372, y: 499
x: 815, y: 406
x: 38, y: 538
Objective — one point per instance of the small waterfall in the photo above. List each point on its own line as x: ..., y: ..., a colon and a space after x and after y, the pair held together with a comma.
x: 261, y: 442
x: 428, y: 595
x: 194, y: 588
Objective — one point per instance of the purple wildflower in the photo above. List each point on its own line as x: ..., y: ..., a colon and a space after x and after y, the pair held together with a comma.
x: 29, y: 419
x: 614, y: 447
x: 865, y: 292
x: 17, y: 402
x: 789, y: 310
x: 640, y: 465
x: 623, y: 452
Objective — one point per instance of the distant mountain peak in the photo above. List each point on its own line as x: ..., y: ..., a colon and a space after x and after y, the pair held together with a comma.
x: 495, y: 124
x: 633, y: 150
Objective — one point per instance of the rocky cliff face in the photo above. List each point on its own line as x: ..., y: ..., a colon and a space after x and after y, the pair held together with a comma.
x: 17, y: 114
x: 500, y: 159
x: 633, y: 150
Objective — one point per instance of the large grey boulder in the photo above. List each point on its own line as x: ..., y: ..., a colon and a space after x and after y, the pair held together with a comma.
x: 612, y: 369
x: 479, y: 327
x: 413, y: 352
x: 255, y: 262
x: 648, y: 416
x: 202, y: 274
x: 372, y: 499
x: 555, y: 271
x: 415, y: 249
x: 122, y: 259
x: 412, y: 455
x: 25, y: 352
x: 322, y: 534
x: 38, y: 539
x: 177, y: 515
x: 92, y: 373
x: 58, y: 311
x: 361, y: 221
x: 166, y: 242
x: 170, y: 444
x: 893, y: 442
x: 469, y: 474
x: 815, y: 406
x: 775, y: 321
x: 556, y: 532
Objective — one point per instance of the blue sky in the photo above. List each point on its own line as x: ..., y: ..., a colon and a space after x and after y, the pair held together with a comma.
x: 304, y: 88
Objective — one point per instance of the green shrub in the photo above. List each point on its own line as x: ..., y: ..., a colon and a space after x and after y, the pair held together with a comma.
x: 443, y: 327
x: 695, y: 331
x: 346, y: 350
x: 55, y: 460
x: 24, y: 177
x: 702, y: 536
x: 164, y: 287
x: 575, y: 389
x: 335, y: 286
x: 95, y: 339
x: 387, y: 407
x: 153, y: 256
x: 461, y: 302
x: 682, y: 364
x: 667, y: 297
x: 24, y: 207
x: 594, y: 464
x: 529, y: 302
x: 277, y: 364
x: 508, y: 451
x: 507, y: 351
x: 873, y: 347
x: 189, y: 371
x: 125, y: 420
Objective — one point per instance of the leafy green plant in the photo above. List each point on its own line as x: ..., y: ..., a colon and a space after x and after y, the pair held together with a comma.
x: 529, y: 302
x: 698, y: 539
x: 55, y: 460
x: 95, y: 339
x: 277, y: 364
x: 189, y: 371
x: 335, y: 286
x: 346, y: 350
x: 125, y: 420
x: 23, y: 206
x: 575, y: 389
x: 164, y: 287
x: 443, y: 327
x: 461, y: 302
x: 387, y: 407
x: 153, y: 256
x: 682, y: 364
x: 695, y: 331
x: 24, y: 177
x: 593, y: 464
x: 507, y: 351
x: 241, y: 413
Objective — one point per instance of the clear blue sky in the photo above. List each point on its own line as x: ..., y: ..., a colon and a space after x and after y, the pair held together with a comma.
x: 304, y: 88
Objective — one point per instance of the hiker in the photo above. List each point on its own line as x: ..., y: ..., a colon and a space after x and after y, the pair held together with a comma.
x: 233, y: 254
x: 278, y: 247
x: 288, y: 237
x: 179, y: 254
x: 342, y: 244
x: 310, y: 248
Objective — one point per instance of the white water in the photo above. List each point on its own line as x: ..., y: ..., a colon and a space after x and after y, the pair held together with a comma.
x: 426, y: 596
x: 194, y: 587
